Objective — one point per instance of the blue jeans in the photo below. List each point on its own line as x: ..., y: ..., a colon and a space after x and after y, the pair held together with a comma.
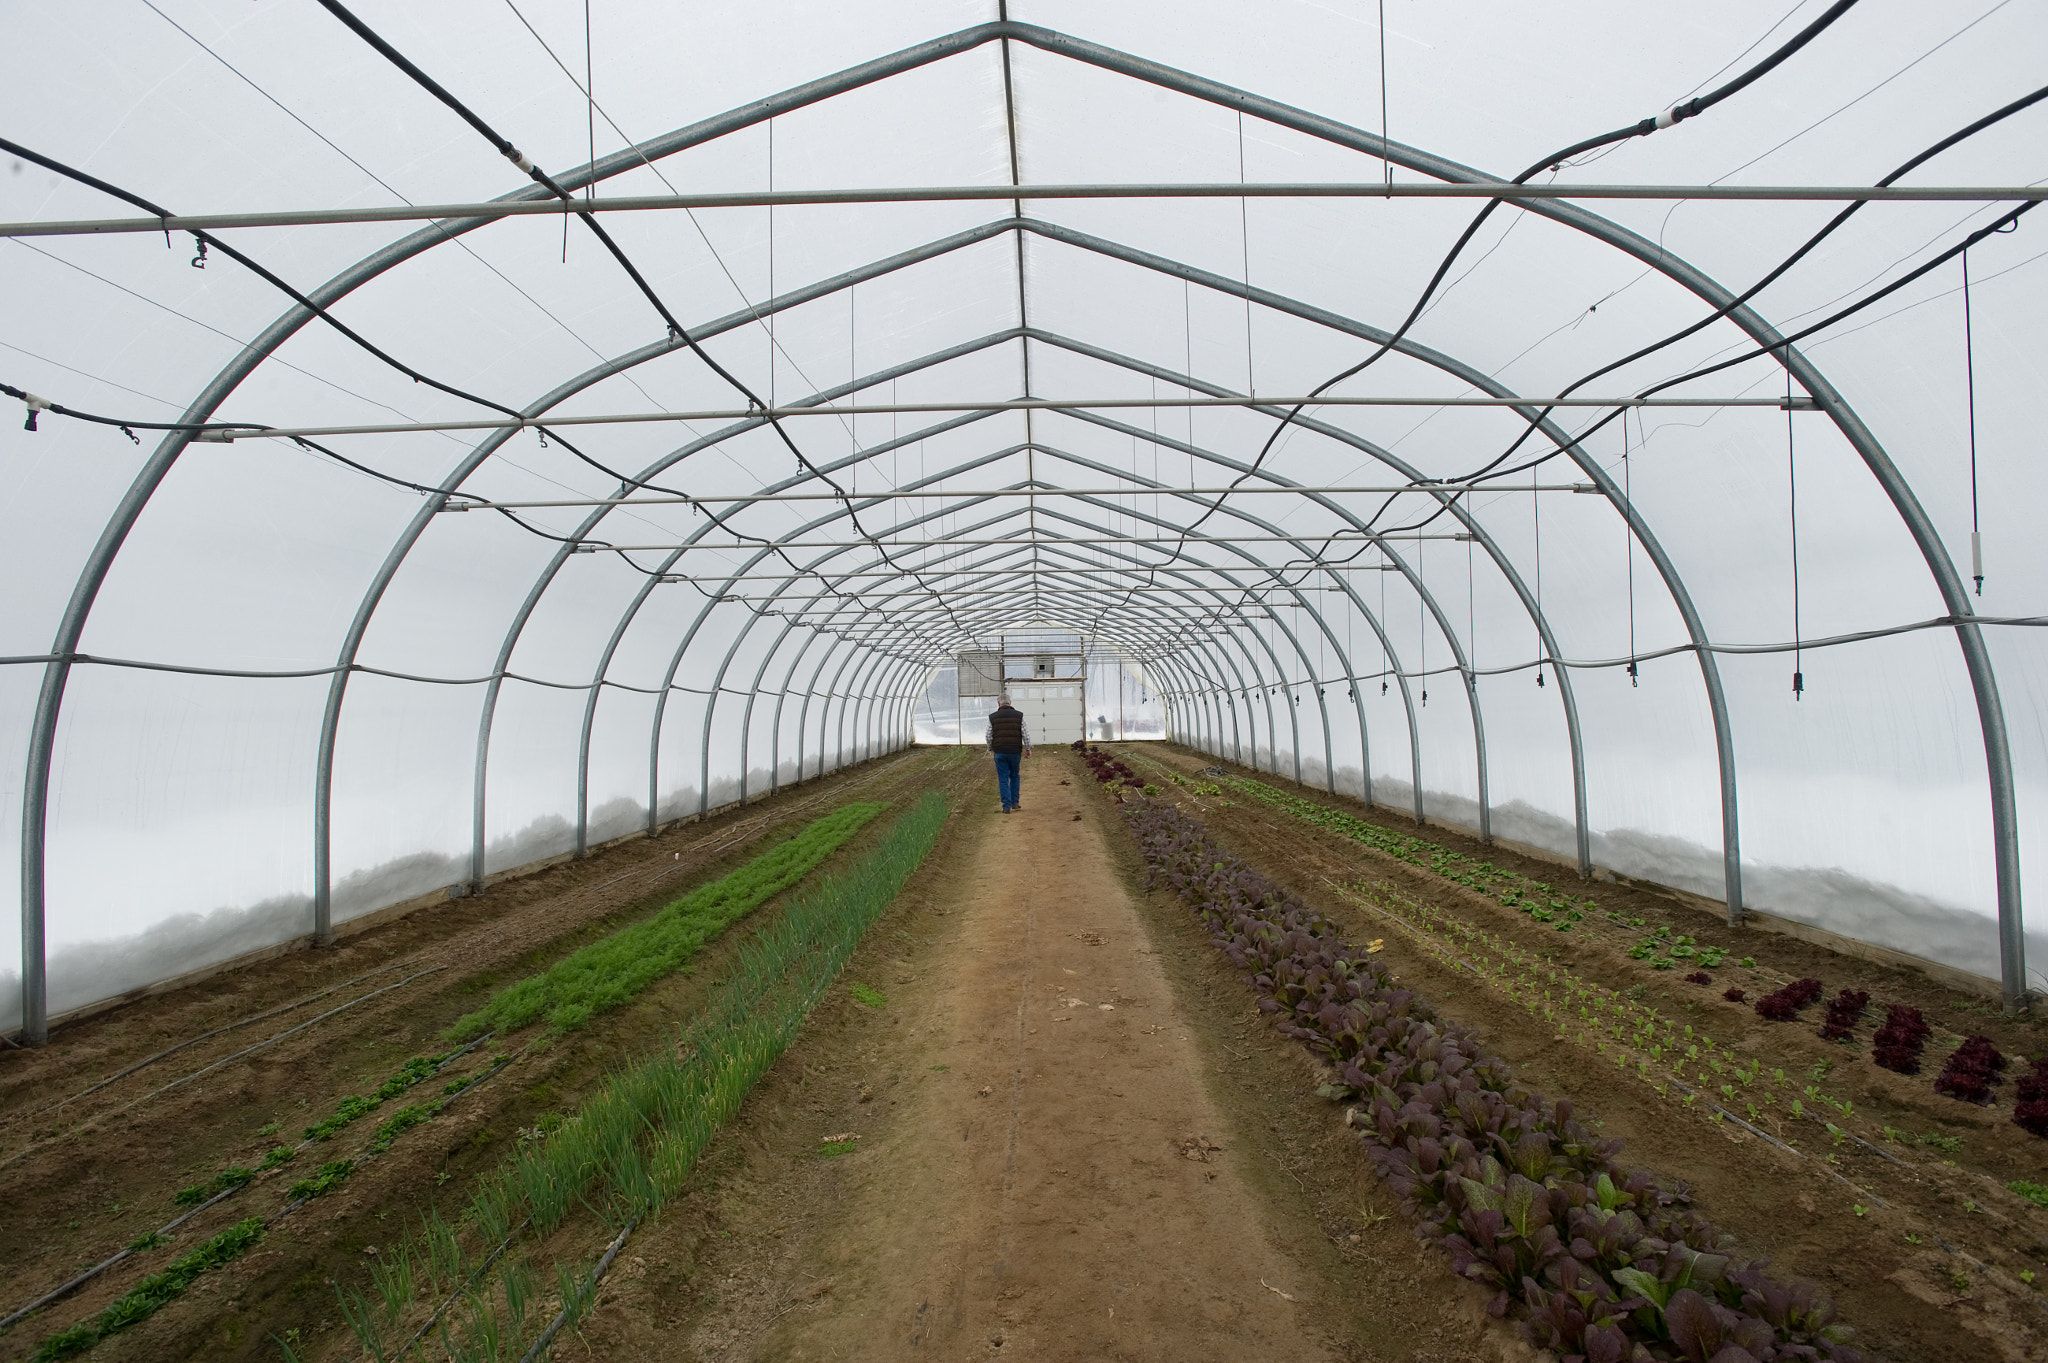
x: 1007, y: 764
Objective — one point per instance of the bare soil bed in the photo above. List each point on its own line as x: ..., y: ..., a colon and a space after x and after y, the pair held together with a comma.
x: 1038, y: 1115
x: 87, y: 1165
x: 1890, y: 1195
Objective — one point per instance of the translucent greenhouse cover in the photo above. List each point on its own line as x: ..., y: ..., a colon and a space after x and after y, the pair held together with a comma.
x: 254, y: 688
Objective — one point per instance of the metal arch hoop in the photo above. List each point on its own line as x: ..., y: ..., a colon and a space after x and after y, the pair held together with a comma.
x: 1976, y: 657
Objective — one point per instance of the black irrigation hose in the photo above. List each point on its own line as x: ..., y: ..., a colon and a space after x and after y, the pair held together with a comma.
x: 37, y: 404
x: 589, y: 1293
x: 2002, y: 225
x: 33, y: 1146
x: 193, y: 1041
x: 676, y: 330
x: 1689, y: 109
x: 86, y: 1276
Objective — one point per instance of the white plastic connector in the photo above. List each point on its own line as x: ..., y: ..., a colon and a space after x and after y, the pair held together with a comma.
x: 518, y: 158
x: 1667, y: 118
x: 34, y: 403
x: 1976, y: 556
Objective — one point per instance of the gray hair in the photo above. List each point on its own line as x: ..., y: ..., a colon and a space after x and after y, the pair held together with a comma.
x: 1003, y: 699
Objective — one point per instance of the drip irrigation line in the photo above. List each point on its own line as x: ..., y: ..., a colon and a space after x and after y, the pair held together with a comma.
x: 207, y: 240
x: 193, y: 1041
x: 1970, y: 381
x: 36, y: 404
x: 1969, y: 130
x: 555, y: 1326
x: 86, y: 1276
x: 676, y: 331
x: 468, y: 1283
x: 1792, y: 508
x: 2004, y: 224
x: 250, y: 1050
x: 1691, y: 108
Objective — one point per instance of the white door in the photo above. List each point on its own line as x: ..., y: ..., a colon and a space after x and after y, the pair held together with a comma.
x: 1052, y: 709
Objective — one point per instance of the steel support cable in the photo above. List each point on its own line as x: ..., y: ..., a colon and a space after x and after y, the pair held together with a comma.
x: 676, y: 330
x: 1688, y: 109
x: 1962, y: 134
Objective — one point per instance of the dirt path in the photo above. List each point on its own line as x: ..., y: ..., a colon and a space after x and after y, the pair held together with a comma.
x: 1068, y: 1190
x: 1070, y: 1141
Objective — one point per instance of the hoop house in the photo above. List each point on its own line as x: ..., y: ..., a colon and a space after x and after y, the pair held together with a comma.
x: 1551, y: 420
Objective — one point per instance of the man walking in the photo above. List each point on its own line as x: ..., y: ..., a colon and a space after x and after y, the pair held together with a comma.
x: 1009, y: 739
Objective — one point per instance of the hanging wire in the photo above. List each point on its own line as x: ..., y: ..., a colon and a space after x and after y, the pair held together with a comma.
x: 1421, y: 624
x: 1386, y: 165
x: 1536, y: 519
x: 1792, y: 481
x: 1471, y: 616
x: 1244, y: 244
x: 1970, y: 378
x: 1388, y: 657
x: 1628, y: 544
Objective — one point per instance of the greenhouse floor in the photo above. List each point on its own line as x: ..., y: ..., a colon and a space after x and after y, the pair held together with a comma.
x: 1038, y: 1114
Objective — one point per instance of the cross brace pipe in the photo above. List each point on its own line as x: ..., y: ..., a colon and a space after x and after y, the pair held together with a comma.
x: 792, y: 198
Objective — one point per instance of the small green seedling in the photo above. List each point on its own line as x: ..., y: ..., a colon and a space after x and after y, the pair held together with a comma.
x: 867, y: 995
x: 1859, y: 1209
x: 2036, y: 1193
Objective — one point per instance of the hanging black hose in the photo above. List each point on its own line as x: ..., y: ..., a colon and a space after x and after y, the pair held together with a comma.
x: 1792, y: 503
x: 676, y: 330
x: 1970, y: 381
x: 1678, y: 113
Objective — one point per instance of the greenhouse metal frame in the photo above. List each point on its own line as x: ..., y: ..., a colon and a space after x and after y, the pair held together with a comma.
x: 1183, y: 581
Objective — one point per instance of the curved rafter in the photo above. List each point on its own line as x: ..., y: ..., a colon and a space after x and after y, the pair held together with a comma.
x: 890, y: 668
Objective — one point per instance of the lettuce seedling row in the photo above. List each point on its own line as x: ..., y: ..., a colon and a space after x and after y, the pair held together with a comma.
x: 1605, y: 1264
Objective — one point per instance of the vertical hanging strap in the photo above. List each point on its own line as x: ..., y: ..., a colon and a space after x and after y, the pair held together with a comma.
x: 1387, y: 166
x: 1421, y: 626
x: 1628, y: 542
x: 1970, y: 378
x: 1536, y: 519
x: 1471, y: 617
x: 1792, y: 482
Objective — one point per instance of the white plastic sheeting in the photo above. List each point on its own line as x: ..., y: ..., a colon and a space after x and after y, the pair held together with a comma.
x: 171, y: 818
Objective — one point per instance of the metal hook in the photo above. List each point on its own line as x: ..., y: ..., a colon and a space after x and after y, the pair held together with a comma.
x: 131, y: 435
x: 198, y: 262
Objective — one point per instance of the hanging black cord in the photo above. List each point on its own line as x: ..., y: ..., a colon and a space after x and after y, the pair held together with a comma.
x: 1792, y: 502
x: 1777, y: 272
x: 1995, y: 116
x: 676, y: 329
x: 1628, y: 541
x: 1689, y: 109
x: 1970, y: 380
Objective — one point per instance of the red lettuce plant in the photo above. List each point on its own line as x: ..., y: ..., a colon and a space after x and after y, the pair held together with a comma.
x: 1608, y: 1266
x: 1699, y: 977
x: 1971, y: 1070
x: 1734, y: 996
x: 1897, y: 1044
x: 2030, y: 1108
x: 1783, y: 1005
x: 1844, y: 1010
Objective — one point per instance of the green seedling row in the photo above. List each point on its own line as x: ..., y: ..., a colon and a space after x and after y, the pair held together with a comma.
x: 613, y: 971
x: 631, y: 1146
x: 152, y: 1293
x: 1637, y: 1039
x: 1544, y: 903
